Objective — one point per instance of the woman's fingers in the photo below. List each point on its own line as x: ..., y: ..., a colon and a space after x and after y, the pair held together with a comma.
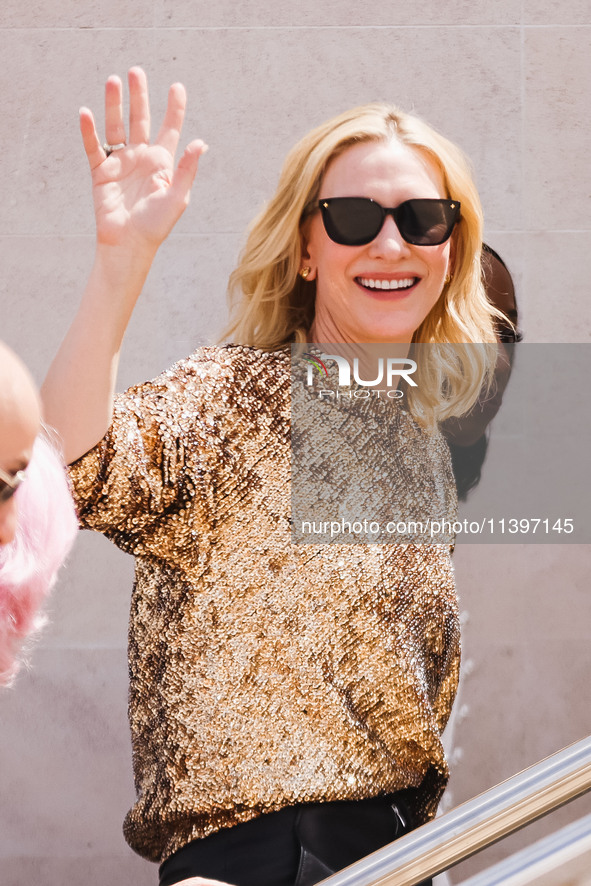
x: 170, y: 131
x: 184, y: 174
x: 92, y: 145
x: 114, y: 128
x: 139, y: 107
x: 139, y: 112
x: 181, y: 180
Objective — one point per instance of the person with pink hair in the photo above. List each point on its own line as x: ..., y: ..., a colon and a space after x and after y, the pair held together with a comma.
x: 37, y: 517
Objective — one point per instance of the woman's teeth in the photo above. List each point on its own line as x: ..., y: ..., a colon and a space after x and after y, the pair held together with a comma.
x: 370, y: 283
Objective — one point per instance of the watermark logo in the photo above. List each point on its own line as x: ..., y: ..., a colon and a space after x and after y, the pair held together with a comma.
x: 317, y: 362
x: 396, y: 368
x: 387, y: 371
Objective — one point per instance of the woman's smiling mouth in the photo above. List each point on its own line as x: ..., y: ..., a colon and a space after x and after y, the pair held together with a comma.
x: 390, y: 285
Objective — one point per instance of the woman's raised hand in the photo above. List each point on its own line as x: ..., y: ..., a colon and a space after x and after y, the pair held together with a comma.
x: 138, y: 194
x: 138, y: 197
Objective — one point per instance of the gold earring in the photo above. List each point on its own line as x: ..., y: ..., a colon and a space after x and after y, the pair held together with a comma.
x: 448, y: 278
x: 304, y: 272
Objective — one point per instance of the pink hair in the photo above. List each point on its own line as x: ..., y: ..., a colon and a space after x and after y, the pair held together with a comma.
x: 46, y: 526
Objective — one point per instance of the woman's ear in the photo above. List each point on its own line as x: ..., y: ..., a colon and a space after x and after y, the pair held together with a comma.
x: 307, y: 264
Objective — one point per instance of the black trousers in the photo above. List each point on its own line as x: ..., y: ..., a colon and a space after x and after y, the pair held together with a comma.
x: 297, y: 846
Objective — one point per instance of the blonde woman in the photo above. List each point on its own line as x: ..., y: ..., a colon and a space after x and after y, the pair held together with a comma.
x: 286, y: 701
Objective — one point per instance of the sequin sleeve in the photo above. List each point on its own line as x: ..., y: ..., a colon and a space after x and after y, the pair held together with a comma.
x: 144, y: 475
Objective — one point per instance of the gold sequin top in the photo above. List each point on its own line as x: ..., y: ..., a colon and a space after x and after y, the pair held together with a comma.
x: 263, y: 673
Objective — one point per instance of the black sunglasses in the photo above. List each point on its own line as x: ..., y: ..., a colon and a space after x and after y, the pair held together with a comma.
x: 355, y: 221
x: 9, y: 483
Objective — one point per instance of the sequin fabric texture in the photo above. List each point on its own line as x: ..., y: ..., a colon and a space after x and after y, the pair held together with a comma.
x: 262, y: 673
x: 362, y: 470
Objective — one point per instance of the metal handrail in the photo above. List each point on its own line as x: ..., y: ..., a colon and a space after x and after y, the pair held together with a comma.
x: 463, y: 831
x: 569, y: 848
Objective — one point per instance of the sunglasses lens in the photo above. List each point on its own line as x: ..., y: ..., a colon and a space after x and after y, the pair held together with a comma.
x: 6, y: 492
x: 351, y: 221
x: 9, y: 487
x: 427, y: 222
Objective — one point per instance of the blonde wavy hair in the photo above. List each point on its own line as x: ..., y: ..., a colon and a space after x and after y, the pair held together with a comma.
x: 272, y: 306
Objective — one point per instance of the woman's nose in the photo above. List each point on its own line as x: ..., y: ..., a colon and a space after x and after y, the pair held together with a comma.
x: 8, y: 517
x: 389, y: 242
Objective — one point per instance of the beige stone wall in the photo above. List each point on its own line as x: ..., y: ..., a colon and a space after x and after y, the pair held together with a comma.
x: 508, y: 81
